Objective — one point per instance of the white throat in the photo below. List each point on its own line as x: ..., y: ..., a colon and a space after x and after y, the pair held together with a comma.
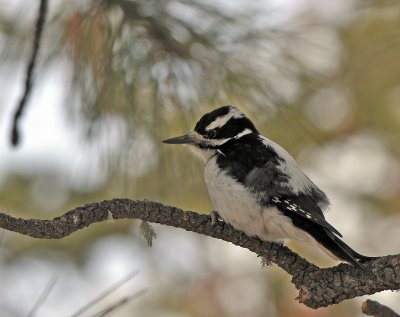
x: 203, y: 154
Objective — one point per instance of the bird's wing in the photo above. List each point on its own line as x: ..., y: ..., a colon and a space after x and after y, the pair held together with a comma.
x: 270, y: 184
x: 304, y: 206
x: 268, y: 171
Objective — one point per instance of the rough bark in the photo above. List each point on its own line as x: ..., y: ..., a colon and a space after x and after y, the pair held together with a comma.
x: 317, y: 287
x: 373, y: 308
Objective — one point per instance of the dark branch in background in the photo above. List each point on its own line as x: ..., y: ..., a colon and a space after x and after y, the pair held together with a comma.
x: 317, y: 287
x: 43, y: 297
x: 15, y: 134
x: 373, y: 308
x: 118, y: 304
x: 107, y: 292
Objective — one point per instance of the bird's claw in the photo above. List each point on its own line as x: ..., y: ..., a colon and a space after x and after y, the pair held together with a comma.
x: 215, y: 217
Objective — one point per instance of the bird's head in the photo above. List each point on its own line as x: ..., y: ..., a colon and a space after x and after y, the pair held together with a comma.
x: 215, y: 129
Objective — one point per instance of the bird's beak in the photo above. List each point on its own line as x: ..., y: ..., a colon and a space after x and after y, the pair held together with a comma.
x: 190, y: 138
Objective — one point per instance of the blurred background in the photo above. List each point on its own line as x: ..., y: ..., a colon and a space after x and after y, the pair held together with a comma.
x: 114, y: 78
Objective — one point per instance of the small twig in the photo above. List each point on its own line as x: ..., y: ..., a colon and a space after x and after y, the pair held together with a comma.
x: 43, y: 296
x: 373, y: 308
x: 106, y: 311
x: 107, y: 292
x: 1, y: 236
x: 15, y: 135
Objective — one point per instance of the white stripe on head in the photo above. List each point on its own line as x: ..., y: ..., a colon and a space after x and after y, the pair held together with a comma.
x: 221, y: 121
x: 243, y: 133
x: 217, y: 142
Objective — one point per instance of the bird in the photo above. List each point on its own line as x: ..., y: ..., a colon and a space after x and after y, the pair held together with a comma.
x: 256, y: 186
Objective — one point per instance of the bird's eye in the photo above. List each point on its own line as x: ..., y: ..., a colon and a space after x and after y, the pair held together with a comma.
x: 210, y: 134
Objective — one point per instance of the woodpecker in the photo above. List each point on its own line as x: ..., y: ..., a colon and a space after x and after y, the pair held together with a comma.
x: 256, y: 186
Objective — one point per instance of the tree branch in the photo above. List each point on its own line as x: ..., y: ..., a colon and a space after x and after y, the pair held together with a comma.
x: 373, y: 308
x: 15, y: 135
x: 317, y: 287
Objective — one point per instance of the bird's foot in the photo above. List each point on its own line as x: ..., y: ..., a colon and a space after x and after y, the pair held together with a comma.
x: 215, y: 217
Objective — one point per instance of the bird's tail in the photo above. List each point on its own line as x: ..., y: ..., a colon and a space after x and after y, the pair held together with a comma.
x: 339, y: 249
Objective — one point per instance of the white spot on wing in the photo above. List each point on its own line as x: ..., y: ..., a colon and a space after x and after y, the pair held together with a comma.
x: 276, y: 200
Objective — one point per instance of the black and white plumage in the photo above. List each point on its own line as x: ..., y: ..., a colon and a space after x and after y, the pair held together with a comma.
x: 257, y: 187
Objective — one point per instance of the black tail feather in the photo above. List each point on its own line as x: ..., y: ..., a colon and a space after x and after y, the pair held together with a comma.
x: 329, y: 240
x: 355, y: 255
x: 339, y: 248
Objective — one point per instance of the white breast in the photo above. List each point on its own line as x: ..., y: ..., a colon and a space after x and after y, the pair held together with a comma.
x: 239, y: 207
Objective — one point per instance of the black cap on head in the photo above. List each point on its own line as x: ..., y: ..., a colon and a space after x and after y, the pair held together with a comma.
x: 224, y: 123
